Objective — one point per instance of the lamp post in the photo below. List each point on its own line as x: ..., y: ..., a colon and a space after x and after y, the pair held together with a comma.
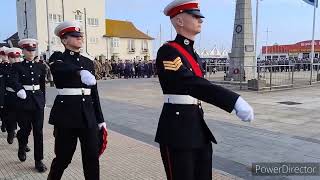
x: 79, y: 13
x: 256, y: 40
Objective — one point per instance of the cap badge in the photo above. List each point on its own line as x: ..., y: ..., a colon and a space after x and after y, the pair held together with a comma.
x: 71, y: 53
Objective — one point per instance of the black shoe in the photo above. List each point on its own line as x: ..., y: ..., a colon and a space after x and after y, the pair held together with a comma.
x: 10, y: 137
x: 22, y: 154
x: 28, y: 149
x: 3, y: 128
x: 40, y: 166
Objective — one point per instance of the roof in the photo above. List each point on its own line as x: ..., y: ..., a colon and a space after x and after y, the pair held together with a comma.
x: 124, y: 29
x: 14, y: 39
x: 4, y: 44
x: 15, y: 36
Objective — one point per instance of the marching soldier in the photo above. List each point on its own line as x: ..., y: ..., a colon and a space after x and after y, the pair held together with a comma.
x: 10, y: 100
x: 2, y: 87
x: 184, y: 138
x: 29, y: 77
x: 78, y: 96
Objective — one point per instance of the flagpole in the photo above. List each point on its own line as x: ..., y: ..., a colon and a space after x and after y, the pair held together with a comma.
x: 313, y: 30
x: 255, y: 63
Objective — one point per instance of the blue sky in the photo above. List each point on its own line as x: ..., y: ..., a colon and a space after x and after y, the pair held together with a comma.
x: 289, y: 21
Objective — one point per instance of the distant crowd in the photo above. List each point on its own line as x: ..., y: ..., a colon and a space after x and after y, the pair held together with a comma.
x: 125, y: 69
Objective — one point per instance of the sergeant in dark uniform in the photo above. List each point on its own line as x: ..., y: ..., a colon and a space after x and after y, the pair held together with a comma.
x: 10, y: 101
x: 184, y: 138
x: 76, y: 112
x: 29, y: 77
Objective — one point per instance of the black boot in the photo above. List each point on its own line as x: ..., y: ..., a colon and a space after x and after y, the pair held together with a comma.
x: 22, y: 153
x: 40, y: 166
x: 28, y: 149
x: 3, y: 127
x: 10, y: 137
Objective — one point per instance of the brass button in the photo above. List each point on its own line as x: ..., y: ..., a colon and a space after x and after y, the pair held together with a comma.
x: 83, y: 99
x: 177, y: 113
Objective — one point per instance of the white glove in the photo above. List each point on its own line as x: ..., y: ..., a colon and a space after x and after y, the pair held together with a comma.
x: 87, y: 78
x: 102, y: 125
x: 22, y: 94
x: 243, y: 110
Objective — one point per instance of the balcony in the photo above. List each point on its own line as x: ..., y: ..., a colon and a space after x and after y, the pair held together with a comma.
x: 144, y: 51
x: 131, y: 51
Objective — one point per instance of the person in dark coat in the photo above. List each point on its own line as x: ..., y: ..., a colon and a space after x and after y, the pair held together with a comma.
x: 30, y: 81
x: 78, y: 96
x: 11, y: 109
x: 183, y: 135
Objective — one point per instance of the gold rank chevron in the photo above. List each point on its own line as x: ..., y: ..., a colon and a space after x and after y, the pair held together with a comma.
x: 173, y: 65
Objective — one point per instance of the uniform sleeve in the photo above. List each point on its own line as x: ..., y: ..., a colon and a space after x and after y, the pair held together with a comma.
x: 43, y: 80
x: 175, y: 73
x: 96, y: 100
x: 2, y: 89
x: 58, y: 67
x: 12, y: 79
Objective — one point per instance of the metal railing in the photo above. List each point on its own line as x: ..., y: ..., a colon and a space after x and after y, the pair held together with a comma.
x: 297, y: 74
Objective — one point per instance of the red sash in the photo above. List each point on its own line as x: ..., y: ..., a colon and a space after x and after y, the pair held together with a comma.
x: 194, y: 65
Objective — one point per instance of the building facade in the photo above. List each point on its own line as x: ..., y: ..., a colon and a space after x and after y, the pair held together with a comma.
x: 125, y: 41
x: 300, y: 50
x: 38, y: 19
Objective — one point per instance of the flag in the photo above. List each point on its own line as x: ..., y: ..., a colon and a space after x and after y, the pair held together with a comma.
x: 312, y: 2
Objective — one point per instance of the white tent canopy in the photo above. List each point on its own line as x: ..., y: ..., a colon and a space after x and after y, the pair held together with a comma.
x: 213, y: 53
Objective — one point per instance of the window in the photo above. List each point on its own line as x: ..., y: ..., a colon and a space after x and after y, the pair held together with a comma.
x: 131, y: 46
x: 50, y: 17
x: 144, y: 45
x: 93, y: 21
x: 115, y: 42
x: 54, y: 18
x: 93, y: 40
x: 59, y: 18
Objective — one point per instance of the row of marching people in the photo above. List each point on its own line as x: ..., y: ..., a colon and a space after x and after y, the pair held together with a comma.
x: 22, y: 102
x: 23, y: 98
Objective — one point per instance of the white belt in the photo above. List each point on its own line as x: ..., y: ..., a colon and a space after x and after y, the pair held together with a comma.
x: 9, y: 89
x: 31, y: 87
x: 180, y: 99
x: 74, y: 91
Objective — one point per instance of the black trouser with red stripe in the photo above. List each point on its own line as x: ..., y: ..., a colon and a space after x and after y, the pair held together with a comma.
x: 187, y: 164
x: 65, y: 145
x: 10, y: 119
x: 28, y: 121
